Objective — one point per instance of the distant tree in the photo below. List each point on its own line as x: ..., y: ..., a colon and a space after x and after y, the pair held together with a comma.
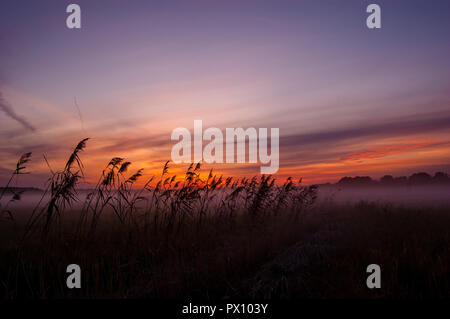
x: 400, y: 180
x: 356, y: 181
x: 414, y: 179
x: 441, y: 177
x: 363, y: 180
x: 387, y: 179
x: 420, y: 178
x: 345, y: 180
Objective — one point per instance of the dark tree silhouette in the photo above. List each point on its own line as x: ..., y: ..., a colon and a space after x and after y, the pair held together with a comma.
x: 420, y: 178
x: 387, y: 180
x: 441, y: 177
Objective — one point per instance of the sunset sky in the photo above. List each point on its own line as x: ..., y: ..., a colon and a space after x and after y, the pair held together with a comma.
x: 347, y: 100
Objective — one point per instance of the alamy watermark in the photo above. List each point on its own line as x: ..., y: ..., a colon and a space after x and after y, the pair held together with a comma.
x: 73, y: 21
x: 374, y: 279
x: 74, y: 279
x: 373, y: 21
x: 235, y: 148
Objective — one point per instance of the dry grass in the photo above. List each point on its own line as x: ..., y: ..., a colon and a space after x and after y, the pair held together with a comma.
x: 192, y: 237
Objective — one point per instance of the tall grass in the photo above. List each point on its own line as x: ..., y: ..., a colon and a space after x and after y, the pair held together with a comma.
x: 167, y: 203
x: 195, y: 236
x: 164, y: 211
x: 19, y: 170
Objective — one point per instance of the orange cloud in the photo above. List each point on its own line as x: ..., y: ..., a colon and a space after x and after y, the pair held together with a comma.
x: 385, y: 150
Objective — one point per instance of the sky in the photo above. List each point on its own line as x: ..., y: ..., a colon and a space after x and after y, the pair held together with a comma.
x: 348, y: 100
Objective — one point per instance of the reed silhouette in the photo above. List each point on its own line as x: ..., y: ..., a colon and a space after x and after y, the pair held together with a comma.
x: 212, y: 236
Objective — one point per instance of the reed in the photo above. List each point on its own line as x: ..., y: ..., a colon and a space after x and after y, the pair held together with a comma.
x: 194, y: 236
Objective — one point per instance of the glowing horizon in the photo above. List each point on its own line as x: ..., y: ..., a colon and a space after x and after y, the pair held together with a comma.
x: 348, y: 101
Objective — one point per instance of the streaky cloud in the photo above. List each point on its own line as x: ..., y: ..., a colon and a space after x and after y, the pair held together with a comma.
x: 417, y: 124
x: 9, y: 111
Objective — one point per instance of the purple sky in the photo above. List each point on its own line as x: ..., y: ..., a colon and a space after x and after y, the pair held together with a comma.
x: 139, y: 69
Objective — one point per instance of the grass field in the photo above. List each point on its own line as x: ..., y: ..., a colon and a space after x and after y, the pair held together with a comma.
x: 215, y: 237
